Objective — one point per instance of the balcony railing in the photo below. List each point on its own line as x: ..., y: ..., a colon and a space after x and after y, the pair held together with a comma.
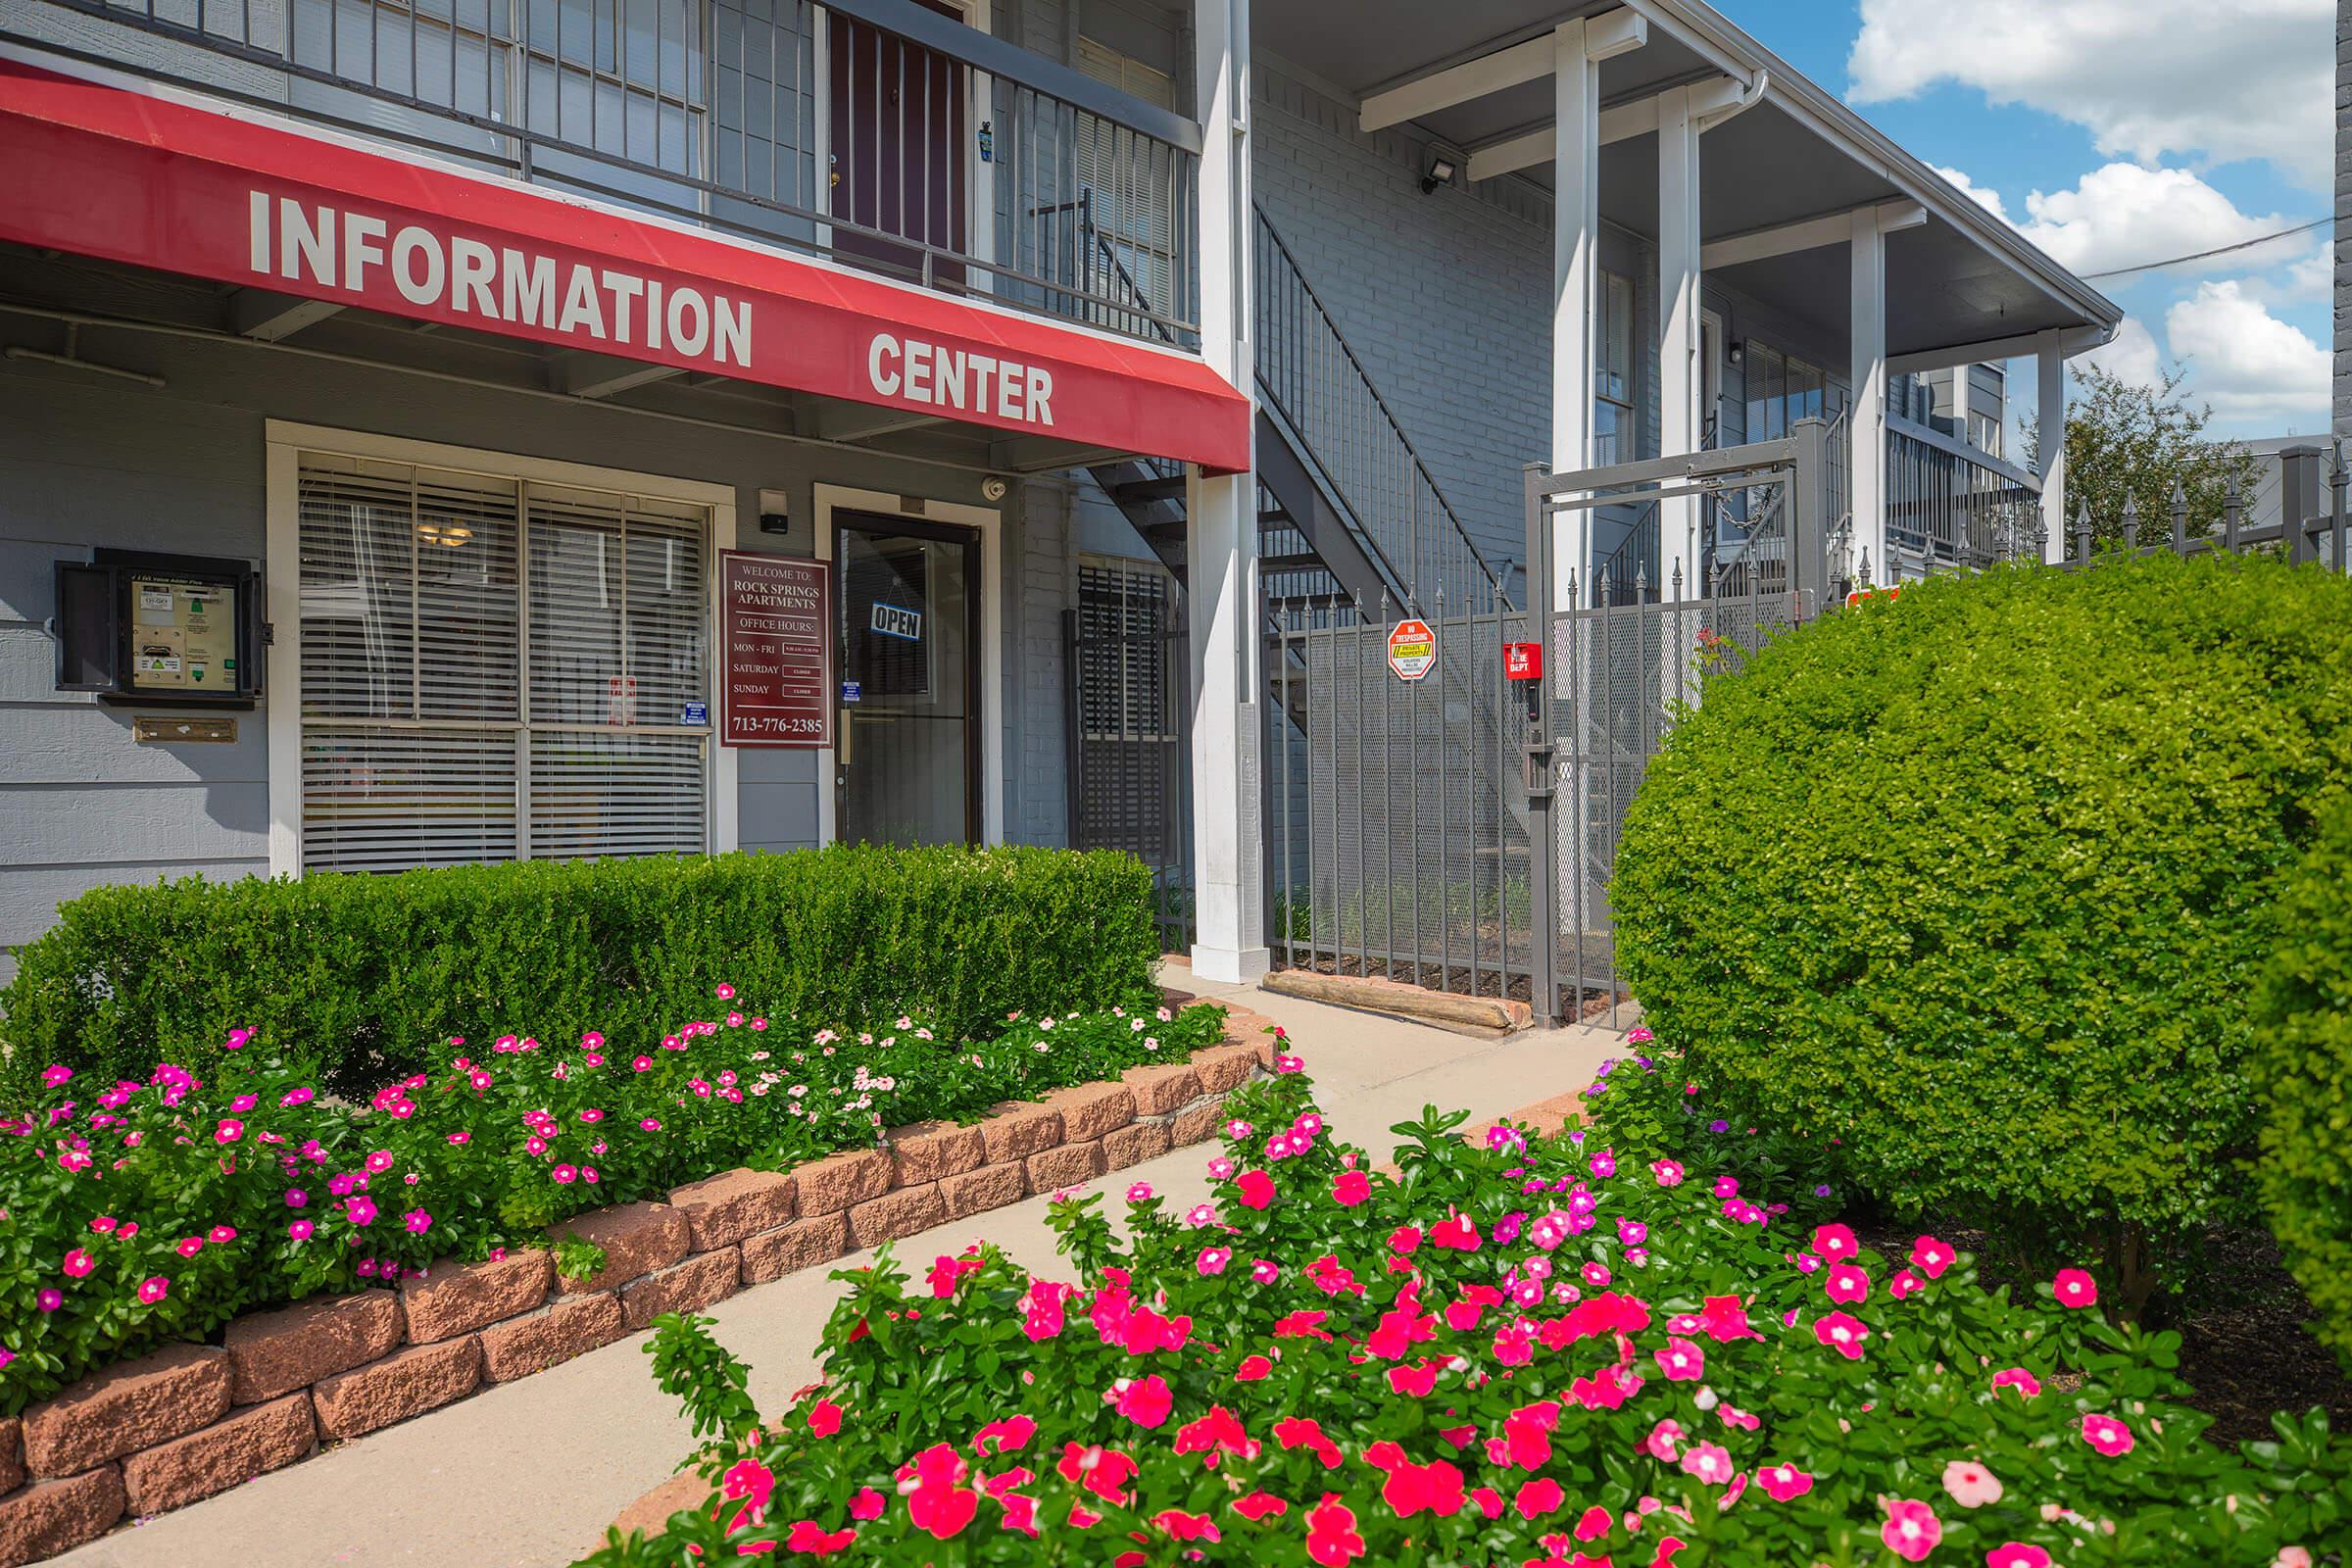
x: 1949, y: 504
x: 876, y: 132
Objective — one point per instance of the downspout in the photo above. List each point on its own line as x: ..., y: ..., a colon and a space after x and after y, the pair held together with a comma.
x: 1749, y: 96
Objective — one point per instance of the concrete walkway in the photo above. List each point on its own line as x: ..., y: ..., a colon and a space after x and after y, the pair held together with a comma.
x: 529, y: 1474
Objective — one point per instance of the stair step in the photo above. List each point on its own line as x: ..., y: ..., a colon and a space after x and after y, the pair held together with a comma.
x: 1306, y: 562
x: 1136, y: 491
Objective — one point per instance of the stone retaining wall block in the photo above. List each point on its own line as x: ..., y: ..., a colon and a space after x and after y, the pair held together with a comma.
x: 637, y: 1239
x: 273, y: 1353
x: 125, y: 1408
x: 926, y: 1151
x: 787, y: 1249
x: 1159, y: 1090
x: 450, y: 1299
x: 406, y: 1382
x: 701, y: 1281
x: 1134, y: 1143
x: 842, y: 1180
x: 1088, y: 1110
x: 252, y: 1441
x: 901, y: 1213
x: 53, y: 1516
x: 1016, y: 1131
x: 721, y: 1210
x: 989, y: 1187
x: 572, y: 1325
x: 1063, y: 1167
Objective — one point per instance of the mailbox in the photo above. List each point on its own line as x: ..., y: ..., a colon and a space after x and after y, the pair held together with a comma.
x: 142, y: 629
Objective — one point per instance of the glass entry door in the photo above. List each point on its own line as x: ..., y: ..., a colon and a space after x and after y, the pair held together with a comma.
x: 907, y: 749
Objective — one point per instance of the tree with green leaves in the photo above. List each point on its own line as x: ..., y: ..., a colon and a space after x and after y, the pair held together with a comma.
x: 2138, y: 440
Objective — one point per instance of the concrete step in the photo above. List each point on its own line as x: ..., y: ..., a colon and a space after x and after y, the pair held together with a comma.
x: 1488, y: 1016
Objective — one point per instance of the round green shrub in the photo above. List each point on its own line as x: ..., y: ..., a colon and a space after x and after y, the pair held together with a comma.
x: 2302, y: 1071
x: 1976, y: 881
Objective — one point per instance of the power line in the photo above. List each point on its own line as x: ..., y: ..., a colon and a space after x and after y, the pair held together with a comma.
x: 2219, y: 250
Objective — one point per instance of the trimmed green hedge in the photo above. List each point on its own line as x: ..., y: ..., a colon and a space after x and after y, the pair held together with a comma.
x: 363, y: 972
x: 2303, y: 1071
x: 1978, y: 881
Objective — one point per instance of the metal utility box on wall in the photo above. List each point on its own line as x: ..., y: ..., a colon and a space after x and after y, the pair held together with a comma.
x: 139, y: 627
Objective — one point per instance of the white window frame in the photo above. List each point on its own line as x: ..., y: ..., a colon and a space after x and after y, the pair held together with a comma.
x: 990, y: 523
x: 285, y: 443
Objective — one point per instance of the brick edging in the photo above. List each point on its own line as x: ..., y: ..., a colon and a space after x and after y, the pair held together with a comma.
x: 187, y: 1421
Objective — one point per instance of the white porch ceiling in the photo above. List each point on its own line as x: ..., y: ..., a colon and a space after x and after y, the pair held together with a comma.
x: 1954, y: 278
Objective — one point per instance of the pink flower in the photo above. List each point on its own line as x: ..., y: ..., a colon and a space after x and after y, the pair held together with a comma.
x: 1930, y: 1256
x: 1257, y: 1188
x: 1665, y: 1440
x: 1911, y: 1530
x: 2075, y: 1288
x: 2107, y: 1434
x: 2017, y: 1555
x: 1667, y: 1171
x: 360, y: 1210
x: 78, y: 1262
x: 1351, y: 1188
x: 154, y: 1288
x: 1710, y: 1462
x: 50, y: 1298
x: 1841, y: 1333
x: 566, y: 1174
x: 418, y: 1221
x: 229, y: 1130
x: 1782, y: 1481
x: 300, y: 1230
x: 56, y: 1073
x: 1972, y: 1486
x: 824, y: 1418
x: 1835, y: 1242
x: 1212, y: 1259
x: 1906, y: 1284
x: 191, y: 1246
x: 1682, y: 1361
x: 1331, y: 1538
x: 2017, y: 1377
x: 1147, y: 1403
x: 1140, y: 1192
x: 1846, y: 1283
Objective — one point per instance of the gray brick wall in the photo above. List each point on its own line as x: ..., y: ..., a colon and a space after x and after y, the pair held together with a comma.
x: 2343, y: 198
x: 1037, y: 758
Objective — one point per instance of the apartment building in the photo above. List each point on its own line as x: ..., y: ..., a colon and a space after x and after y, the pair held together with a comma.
x: 445, y: 430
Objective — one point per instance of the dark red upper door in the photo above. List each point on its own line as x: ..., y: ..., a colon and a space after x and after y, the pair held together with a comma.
x: 898, y: 145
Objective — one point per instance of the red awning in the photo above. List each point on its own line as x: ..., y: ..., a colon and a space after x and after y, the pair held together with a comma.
x: 103, y: 171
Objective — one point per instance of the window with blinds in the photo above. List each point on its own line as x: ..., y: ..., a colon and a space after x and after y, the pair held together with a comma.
x: 494, y: 669
x: 1124, y: 180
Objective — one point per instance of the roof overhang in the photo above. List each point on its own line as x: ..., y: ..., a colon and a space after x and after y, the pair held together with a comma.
x: 1797, y: 156
x: 102, y: 168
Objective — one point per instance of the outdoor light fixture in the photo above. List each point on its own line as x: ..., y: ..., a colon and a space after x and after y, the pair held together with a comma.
x: 1440, y: 171
x: 1739, y: 352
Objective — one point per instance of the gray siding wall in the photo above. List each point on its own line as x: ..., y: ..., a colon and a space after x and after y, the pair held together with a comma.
x: 86, y: 462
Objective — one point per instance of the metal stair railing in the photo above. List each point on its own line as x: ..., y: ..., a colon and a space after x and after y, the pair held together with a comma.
x: 1318, y: 389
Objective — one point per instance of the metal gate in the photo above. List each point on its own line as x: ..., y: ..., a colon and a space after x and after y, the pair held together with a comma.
x: 1459, y: 831
x: 1127, y: 715
x: 1396, y: 841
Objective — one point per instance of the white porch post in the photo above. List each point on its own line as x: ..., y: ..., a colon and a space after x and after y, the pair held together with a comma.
x: 2057, y: 523
x: 1868, y: 433
x: 1221, y: 536
x: 1680, y: 378
x: 1575, y: 270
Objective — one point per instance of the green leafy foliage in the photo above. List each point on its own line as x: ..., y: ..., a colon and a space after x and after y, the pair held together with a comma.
x: 1515, y: 1352
x: 141, y: 1212
x: 2302, y: 1069
x: 366, y: 972
x: 1976, y: 883
x: 2125, y: 440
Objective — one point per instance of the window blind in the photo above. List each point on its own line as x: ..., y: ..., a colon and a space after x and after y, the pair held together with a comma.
x: 494, y: 669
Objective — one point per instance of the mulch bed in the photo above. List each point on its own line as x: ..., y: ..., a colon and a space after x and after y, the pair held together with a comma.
x: 2244, y: 1348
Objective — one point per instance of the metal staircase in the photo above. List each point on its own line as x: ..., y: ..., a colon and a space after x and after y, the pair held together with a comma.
x: 1348, y: 514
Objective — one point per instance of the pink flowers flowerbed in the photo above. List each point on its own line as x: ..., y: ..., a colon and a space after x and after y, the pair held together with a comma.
x: 1524, y: 1353
x: 142, y: 1213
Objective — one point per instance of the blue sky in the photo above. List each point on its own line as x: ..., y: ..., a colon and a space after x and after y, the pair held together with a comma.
x: 2114, y: 132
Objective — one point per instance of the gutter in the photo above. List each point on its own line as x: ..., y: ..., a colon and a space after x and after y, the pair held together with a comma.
x: 1739, y: 56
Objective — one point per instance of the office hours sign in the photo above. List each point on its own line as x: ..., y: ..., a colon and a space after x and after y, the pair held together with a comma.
x: 776, y: 620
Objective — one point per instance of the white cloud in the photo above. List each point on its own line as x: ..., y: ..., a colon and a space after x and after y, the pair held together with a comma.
x: 2259, y: 373
x: 2146, y: 77
x: 2131, y: 356
x: 2123, y: 215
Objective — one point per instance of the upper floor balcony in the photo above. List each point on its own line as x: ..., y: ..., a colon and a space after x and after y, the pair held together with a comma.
x: 885, y: 135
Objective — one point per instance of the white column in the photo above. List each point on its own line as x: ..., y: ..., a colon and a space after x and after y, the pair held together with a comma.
x: 2049, y: 414
x: 1221, y: 537
x: 1868, y: 422
x: 1960, y: 395
x: 1680, y: 378
x: 1575, y: 271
